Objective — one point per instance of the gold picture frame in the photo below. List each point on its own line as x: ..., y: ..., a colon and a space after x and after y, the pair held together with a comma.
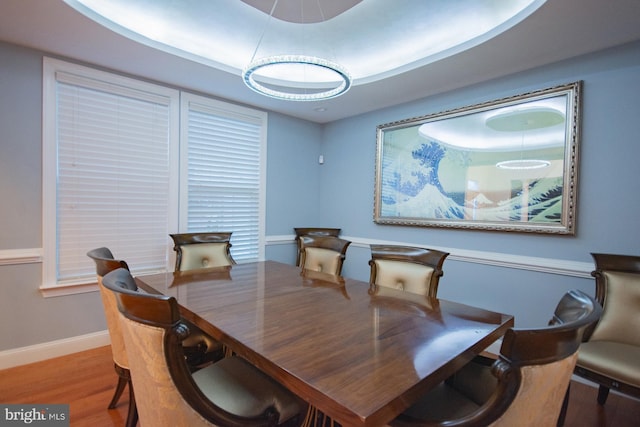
x: 504, y: 165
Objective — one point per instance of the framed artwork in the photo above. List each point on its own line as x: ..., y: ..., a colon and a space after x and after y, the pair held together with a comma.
x: 504, y: 165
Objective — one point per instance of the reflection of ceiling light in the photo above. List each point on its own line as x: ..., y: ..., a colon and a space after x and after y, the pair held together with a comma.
x: 524, y: 164
x: 525, y: 119
x: 300, y: 66
x: 541, y: 120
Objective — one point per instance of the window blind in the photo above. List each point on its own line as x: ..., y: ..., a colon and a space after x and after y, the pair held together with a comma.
x: 113, y: 176
x: 225, y: 176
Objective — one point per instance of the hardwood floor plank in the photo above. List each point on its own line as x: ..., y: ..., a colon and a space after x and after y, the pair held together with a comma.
x: 86, y: 381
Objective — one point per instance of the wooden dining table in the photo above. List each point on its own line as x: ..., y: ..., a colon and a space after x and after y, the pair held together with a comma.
x: 361, y: 357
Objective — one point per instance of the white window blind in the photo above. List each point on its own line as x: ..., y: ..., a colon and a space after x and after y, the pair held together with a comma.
x: 112, y: 178
x: 223, y: 158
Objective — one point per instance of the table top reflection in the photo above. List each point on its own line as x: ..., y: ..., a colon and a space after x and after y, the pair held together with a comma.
x: 361, y: 358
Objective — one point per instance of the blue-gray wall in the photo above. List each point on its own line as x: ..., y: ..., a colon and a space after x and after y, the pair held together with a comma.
x: 339, y: 193
x: 26, y: 318
x: 607, y: 206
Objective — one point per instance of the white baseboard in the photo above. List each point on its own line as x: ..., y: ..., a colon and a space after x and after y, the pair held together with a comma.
x: 48, y: 350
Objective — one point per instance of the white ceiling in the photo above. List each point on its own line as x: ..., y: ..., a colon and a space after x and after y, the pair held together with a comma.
x: 559, y: 29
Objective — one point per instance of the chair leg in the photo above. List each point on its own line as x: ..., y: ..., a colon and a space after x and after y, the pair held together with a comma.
x: 123, y: 379
x: 132, y: 414
x: 603, y: 393
x: 565, y: 405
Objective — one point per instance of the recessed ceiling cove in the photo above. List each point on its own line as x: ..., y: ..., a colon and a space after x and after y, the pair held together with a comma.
x: 371, y: 39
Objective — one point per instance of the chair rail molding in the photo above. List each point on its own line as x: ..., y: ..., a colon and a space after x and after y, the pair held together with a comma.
x: 521, y: 262
x: 20, y: 256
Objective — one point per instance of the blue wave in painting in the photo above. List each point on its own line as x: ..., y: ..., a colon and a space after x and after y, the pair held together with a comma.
x: 411, y: 188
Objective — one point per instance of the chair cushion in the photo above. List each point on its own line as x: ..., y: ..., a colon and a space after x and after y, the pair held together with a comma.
x: 537, y: 401
x: 475, y: 380
x: 441, y: 403
x: 620, y: 321
x: 463, y: 393
x: 321, y: 259
x: 406, y: 276
x: 203, y: 255
x: 242, y: 389
x: 614, y: 360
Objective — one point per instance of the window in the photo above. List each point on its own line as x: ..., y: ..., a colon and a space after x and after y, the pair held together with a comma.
x: 221, y: 189
x: 112, y: 174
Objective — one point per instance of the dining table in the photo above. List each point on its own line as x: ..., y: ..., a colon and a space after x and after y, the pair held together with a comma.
x: 360, y: 354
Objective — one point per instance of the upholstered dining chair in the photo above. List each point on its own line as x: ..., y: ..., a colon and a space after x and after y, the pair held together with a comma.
x: 412, y: 269
x: 229, y: 393
x: 312, y: 231
x: 200, y: 347
x: 610, y: 355
x: 202, y: 250
x: 325, y: 254
x: 105, y: 263
x: 524, y: 387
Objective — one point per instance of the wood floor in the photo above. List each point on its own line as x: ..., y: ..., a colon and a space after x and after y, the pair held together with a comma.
x: 86, y: 382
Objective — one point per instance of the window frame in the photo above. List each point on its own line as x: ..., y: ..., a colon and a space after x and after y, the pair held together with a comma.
x: 230, y: 111
x: 50, y: 285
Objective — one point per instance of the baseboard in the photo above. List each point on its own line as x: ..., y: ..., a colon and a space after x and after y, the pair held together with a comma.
x: 36, y: 353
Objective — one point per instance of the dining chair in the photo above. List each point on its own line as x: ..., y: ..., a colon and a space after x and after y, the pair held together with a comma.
x: 524, y: 387
x: 229, y: 393
x: 312, y: 231
x: 105, y: 263
x: 610, y: 353
x: 200, y: 348
x: 202, y: 250
x: 412, y: 269
x: 325, y: 254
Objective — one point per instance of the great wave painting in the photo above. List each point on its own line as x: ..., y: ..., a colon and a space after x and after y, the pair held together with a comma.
x: 506, y: 165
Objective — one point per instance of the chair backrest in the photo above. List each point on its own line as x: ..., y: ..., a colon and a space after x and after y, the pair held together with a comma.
x: 166, y: 392
x: 524, y: 387
x: 106, y: 263
x: 618, y: 290
x: 312, y: 231
x: 535, y: 365
x: 412, y: 269
x: 323, y: 253
x: 202, y: 250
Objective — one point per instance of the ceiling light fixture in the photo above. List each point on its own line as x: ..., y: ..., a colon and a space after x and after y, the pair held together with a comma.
x: 296, y: 90
x: 295, y: 77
